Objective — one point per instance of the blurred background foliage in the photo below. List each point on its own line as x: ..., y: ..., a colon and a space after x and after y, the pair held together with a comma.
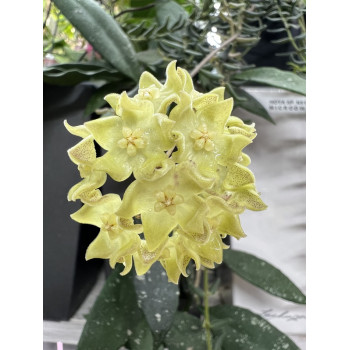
x: 220, y: 42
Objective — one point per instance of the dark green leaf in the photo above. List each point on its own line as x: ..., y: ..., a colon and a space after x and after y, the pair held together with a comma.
x: 158, y: 299
x: 140, y: 3
x: 170, y: 13
x: 172, y: 44
x: 263, y: 275
x: 103, y: 33
x: 193, y: 53
x: 141, y: 337
x: 210, y: 75
x: 75, y: 73
x: 150, y: 57
x: 274, y: 77
x: 218, y: 341
x: 241, y: 329
x: 115, y: 318
x: 246, y: 101
x: 148, y: 12
x: 186, y: 333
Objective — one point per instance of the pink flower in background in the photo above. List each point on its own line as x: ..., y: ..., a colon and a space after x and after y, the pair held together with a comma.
x: 91, y: 53
x: 89, y: 48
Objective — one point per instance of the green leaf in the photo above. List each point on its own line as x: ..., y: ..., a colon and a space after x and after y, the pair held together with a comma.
x: 186, y: 333
x: 210, y: 75
x: 274, y: 77
x: 74, y: 73
x: 170, y: 13
x: 141, y: 337
x: 150, y: 57
x: 115, y: 318
x: 140, y: 3
x: 246, y: 101
x: 241, y: 329
x: 158, y: 299
x: 103, y: 33
x: 263, y: 275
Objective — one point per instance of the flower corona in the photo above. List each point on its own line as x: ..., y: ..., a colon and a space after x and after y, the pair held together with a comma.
x: 185, y: 151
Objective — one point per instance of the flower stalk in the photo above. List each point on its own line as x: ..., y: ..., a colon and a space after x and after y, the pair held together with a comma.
x: 206, y: 323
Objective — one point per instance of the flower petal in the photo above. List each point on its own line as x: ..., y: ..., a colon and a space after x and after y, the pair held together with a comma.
x: 114, y: 101
x: 90, y: 183
x: 238, y: 175
x: 220, y: 92
x: 231, y: 225
x: 147, y: 80
x: 127, y: 243
x: 204, y: 101
x: 84, y: 152
x: 171, y: 267
x: 191, y: 215
x: 144, y: 258
x: 156, y: 227
x: 79, y: 130
x: 115, y: 164
x: 88, y: 214
x: 106, y: 131
x: 101, y: 247
x: 216, y: 115
x: 154, y: 168
x: 173, y: 81
x: 186, y: 80
x: 128, y: 265
x: 249, y: 198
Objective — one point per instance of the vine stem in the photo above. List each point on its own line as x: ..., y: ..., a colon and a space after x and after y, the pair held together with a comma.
x: 206, y: 324
x: 133, y: 9
x: 212, y: 54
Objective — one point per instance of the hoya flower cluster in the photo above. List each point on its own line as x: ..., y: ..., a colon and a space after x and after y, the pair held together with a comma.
x: 191, y: 176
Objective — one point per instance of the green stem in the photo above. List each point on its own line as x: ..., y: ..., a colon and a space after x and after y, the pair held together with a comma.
x: 206, y: 324
x: 289, y: 34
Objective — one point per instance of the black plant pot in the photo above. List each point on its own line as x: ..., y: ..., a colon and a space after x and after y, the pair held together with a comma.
x: 68, y: 278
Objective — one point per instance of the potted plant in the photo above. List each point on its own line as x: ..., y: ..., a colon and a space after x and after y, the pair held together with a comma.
x: 149, y: 312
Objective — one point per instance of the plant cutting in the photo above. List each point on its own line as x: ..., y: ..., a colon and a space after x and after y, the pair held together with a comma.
x: 186, y: 153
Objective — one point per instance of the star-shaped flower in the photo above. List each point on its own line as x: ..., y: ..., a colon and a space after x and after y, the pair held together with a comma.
x: 170, y: 201
x: 118, y: 238
x: 132, y: 138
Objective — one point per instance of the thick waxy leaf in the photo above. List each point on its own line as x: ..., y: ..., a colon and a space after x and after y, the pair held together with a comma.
x: 274, y: 77
x: 263, y: 275
x: 246, y: 101
x: 186, y: 333
x: 115, y: 318
x: 170, y: 13
x: 149, y: 57
x: 158, y: 299
x: 75, y: 73
x: 103, y: 33
x: 240, y: 329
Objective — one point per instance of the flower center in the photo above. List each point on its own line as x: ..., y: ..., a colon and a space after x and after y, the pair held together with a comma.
x: 109, y: 222
x: 150, y: 93
x: 202, y: 138
x: 167, y: 200
x: 132, y: 140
